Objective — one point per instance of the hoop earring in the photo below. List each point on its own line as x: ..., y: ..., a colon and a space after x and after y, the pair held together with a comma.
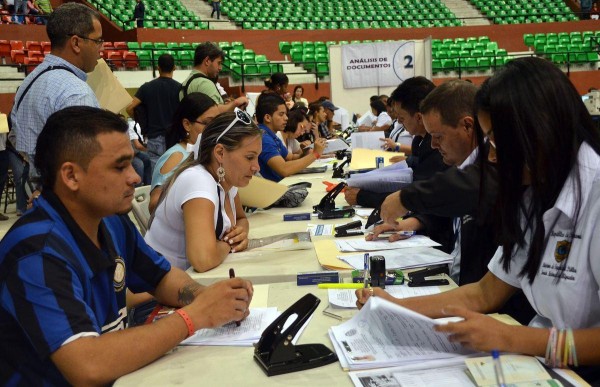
x: 221, y: 173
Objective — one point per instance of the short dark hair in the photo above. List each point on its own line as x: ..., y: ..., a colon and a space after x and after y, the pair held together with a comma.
x: 378, y: 105
x: 70, y: 135
x: 267, y: 104
x: 166, y: 63
x: 191, y: 107
x: 453, y: 100
x: 411, y: 92
x: 207, y: 50
x: 70, y: 19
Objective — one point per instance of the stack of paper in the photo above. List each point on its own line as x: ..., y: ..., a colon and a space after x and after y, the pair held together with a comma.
x: 245, y: 335
x: 383, y: 334
x: 346, y: 298
x: 402, y: 258
x: 389, y: 179
x: 354, y: 245
x: 367, y: 140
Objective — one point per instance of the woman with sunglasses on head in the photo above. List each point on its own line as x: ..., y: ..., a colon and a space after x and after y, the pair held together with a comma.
x: 548, y: 217
x: 199, y: 219
x: 194, y: 112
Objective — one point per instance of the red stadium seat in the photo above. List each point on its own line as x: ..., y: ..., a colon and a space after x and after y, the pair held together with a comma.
x: 35, y: 54
x: 131, y: 60
x: 17, y: 56
x: 46, y: 47
x: 31, y: 63
x: 16, y: 45
x: 116, y: 58
x: 4, y: 49
x: 120, y: 46
x: 33, y: 46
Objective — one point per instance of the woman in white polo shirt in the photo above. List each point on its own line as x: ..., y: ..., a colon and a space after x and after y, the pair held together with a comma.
x: 200, y: 220
x: 548, y: 154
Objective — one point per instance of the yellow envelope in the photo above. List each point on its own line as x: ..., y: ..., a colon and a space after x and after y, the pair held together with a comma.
x: 261, y: 193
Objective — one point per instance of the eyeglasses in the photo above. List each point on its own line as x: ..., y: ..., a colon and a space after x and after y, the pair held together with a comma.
x: 99, y: 42
x: 240, y: 116
x: 202, y: 122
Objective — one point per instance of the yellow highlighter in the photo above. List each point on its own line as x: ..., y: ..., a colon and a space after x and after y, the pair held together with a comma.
x: 340, y: 286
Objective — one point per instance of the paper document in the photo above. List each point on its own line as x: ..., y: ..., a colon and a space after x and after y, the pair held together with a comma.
x: 352, y: 245
x: 110, y: 93
x: 321, y: 229
x: 447, y: 373
x: 346, y: 298
x: 367, y: 140
x: 516, y: 369
x: 245, y: 335
x: 382, y: 180
x: 402, y: 258
x: 365, y: 158
x: 3, y: 123
x: 383, y: 334
x: 335, y: 145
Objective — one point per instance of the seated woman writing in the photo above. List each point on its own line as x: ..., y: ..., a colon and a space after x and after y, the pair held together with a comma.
x: 200, y: 220
x: 548, y: 214
x: 296, y: 126
x: 194, y: 112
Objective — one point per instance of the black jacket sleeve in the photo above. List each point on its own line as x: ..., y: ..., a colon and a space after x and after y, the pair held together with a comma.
x: 453, y: 193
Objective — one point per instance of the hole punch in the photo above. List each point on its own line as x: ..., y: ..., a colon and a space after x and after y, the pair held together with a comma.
x: 276, y: 354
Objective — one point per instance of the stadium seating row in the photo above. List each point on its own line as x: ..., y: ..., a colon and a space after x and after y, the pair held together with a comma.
x: 525, y: 11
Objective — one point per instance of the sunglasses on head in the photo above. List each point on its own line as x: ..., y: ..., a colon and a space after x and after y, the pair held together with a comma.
x: 240, y: 116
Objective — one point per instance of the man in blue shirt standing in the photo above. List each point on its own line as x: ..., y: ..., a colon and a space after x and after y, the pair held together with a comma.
x: 66, y: 264
x: 271, y: 114
x: 60, y: 81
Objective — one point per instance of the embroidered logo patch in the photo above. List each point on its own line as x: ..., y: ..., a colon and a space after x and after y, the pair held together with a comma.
x: 562, y: 250
x: 119, y: 278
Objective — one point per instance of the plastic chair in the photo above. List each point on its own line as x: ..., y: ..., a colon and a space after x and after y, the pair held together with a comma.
x: 140, y: 210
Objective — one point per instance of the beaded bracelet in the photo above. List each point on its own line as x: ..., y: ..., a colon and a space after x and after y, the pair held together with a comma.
x: 188, y: 321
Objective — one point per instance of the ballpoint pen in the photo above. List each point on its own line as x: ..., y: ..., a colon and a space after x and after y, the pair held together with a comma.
x: 366, y: 273
x: 500, y: 381
x: 232, y: 275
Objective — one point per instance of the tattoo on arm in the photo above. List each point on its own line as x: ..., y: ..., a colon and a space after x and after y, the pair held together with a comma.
x: 187, y: 293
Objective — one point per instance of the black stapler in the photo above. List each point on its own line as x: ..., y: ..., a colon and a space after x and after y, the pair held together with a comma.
x: 276, y: 354
x: 348, y: 229
x: 326, y: 208
x: 419, y: 277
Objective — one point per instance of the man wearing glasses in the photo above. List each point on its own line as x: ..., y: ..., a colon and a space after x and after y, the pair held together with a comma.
x: 60, y: 80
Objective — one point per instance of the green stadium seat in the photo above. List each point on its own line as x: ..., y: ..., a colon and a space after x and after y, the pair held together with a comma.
x: 284, y: 47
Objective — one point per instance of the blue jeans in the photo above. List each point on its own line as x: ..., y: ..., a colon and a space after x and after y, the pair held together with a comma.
x: 143, y: 167
x: 20, y: 8
x: 20, y: 171
x: 156, y: 147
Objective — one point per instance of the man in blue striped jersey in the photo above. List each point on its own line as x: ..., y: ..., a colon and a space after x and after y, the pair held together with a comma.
x: 65, y: 267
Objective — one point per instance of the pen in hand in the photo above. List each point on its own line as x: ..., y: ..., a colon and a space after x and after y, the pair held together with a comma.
x: 232, y: 275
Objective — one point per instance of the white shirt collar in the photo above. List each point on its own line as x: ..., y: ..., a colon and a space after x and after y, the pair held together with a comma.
x: 470, y: 159
x: 588, y: 164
